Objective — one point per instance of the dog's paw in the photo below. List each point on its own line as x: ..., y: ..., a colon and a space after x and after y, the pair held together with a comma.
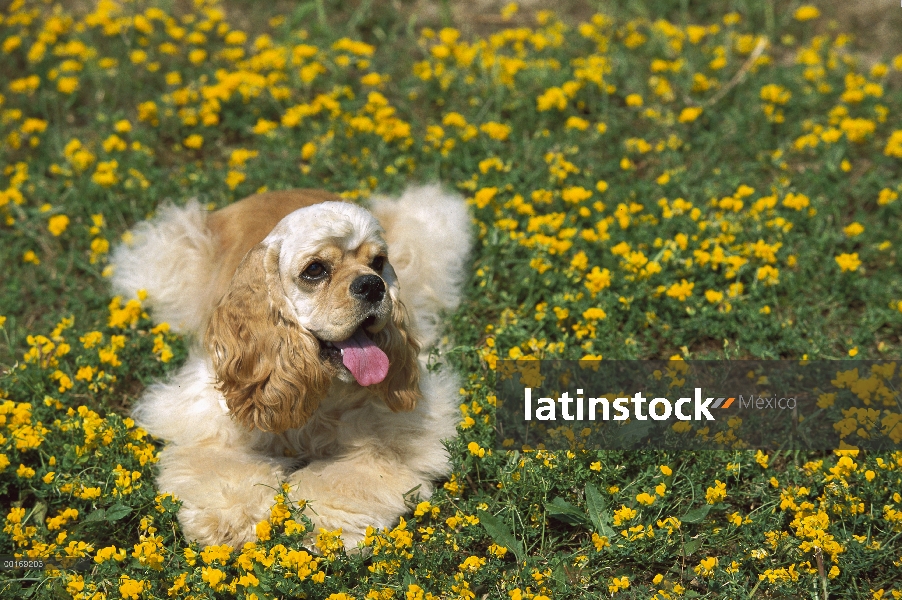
x: 210, y: 526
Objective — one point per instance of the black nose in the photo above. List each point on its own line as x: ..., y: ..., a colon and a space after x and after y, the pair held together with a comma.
x: 368, y: 287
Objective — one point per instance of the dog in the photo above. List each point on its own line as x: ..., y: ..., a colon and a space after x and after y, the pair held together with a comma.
x: 310, y: 320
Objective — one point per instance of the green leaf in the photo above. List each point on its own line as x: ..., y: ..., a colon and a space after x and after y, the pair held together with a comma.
x: 692, y: 545
x: 95, y: 515
x: 562, y: 510
x: 117, y: 511
x: 598, y: 512
x: 501, y: 534
x: 695, y: 515
x: 634, y: 432
x: 39, y: 512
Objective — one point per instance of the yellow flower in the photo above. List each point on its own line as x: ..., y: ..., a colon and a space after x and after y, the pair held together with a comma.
x: 372, y: 79
x: 114, y: 143
x: 689, y: 114
x: 645, y: 498
x: 713, y: 296
x: 482, y: 198
x: 706, y: 567
x: 857, y: 130
x: 848, y: 262
x: 453, y: 119
x: 716, y: 494
x: 105, y: 174
x: 806, y: 13
x: 30, y: 257
x: 193, y: 141
x: 577, y: 123
x: 34, y: 126
x: 553, y: 97
x: 471, y: 564
x: 853, y: 229
x: 263, y: 126
x: 575, y: 194
x: 91, y: 339
x: 769, y: 275
x: 263, y: 531
x: 623, y: 514
x: 132, y: 588
x: 11, y: 43
x: 594, y: 314
x: 25, y: 84
x: 618, y: 583
x: 796, y: 201
x: 894, y: 144
x: 197, y: 56
x: 213, y: 576
x: 887, y: 196
x: 600, y: 542
x: 147, y: 112
x: 234, y: 178
x: 634, y: 100
x: 597, y: 280
x: 240, y: 156
x: 681, y: 291
x: 58, y: 224
x: 496, y: 131
x: 110, y: 553
x: 67, y: 85
x: 776, y: 94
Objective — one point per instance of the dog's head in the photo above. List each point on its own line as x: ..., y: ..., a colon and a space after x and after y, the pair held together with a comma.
x: 316, y: 300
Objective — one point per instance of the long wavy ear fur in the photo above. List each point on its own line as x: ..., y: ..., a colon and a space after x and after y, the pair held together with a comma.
x: 401, y: 387
x: 267, y: 366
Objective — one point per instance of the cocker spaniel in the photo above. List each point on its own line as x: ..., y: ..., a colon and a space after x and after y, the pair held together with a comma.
x: 311, y: 318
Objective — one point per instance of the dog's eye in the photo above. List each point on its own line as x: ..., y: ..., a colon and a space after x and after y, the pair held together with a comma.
x: 378, y: 263
x: 314, y: 271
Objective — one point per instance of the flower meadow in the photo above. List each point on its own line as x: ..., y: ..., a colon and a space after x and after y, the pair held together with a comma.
x: 720, y: 185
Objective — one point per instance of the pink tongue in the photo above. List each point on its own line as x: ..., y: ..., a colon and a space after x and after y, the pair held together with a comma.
x: 366, y: 362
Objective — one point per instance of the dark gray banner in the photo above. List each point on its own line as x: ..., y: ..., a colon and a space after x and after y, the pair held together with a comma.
x: 699, y: 405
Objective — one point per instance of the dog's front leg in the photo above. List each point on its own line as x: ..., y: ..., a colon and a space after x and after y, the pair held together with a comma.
x: 356, y: 491
x: 224, y: 492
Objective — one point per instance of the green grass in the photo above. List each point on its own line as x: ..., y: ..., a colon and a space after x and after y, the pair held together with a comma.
x: 724, y: 233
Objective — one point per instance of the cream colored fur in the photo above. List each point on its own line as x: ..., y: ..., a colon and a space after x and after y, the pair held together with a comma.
x: 355, y: 461
x: 172, y: 258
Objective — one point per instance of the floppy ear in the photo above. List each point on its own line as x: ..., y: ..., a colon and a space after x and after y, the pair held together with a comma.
x: 401, y: 387
x: 267, y: 366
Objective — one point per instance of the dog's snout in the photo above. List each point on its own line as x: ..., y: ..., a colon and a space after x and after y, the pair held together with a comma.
x: 368, y: 287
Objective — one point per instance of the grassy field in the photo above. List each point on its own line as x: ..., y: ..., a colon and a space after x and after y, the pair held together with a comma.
x: 675, y: 181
